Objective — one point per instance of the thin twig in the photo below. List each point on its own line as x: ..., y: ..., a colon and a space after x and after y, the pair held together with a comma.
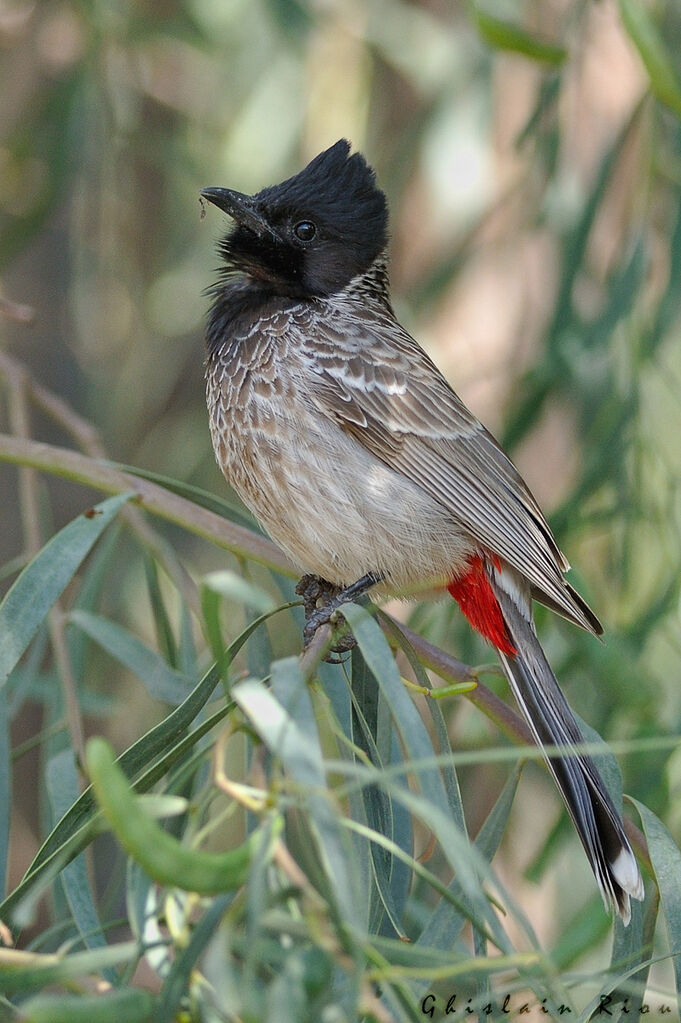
x: 314, y: 653
x: 87, y: 437
x: 452, y: 670
x: 28, y: 480
x: 104, y: 476
x: 15, y: 311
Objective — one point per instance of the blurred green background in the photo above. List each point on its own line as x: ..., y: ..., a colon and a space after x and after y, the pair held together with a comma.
x: 531, y: 154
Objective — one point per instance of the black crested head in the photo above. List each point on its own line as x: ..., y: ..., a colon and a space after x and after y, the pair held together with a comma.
x: 311, y: 234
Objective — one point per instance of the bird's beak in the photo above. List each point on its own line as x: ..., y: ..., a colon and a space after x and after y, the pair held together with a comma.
x: 240, y: 207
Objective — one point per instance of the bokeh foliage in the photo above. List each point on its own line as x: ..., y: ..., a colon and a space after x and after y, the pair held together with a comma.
x: 531, y: 153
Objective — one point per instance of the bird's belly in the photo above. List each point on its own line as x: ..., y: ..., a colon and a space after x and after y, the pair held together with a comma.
x: 334, y: 508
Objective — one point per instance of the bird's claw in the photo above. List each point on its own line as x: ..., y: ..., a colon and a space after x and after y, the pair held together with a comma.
x: 321, y: 603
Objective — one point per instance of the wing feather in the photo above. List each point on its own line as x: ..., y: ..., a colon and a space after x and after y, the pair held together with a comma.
x: 386, y: 392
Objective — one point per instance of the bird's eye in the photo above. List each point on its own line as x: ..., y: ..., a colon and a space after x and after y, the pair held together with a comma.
x: 305, y: 230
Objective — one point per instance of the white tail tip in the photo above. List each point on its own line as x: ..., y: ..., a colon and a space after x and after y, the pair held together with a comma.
x: 625, y: 871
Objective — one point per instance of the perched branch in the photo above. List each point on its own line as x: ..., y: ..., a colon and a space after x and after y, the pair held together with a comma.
x: 104, y: 476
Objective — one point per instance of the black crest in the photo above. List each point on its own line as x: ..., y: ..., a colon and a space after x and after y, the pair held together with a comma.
x: 340, y: 190
x: 313, y: 233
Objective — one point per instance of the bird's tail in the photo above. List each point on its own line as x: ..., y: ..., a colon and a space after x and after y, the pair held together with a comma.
x: 552, y: 723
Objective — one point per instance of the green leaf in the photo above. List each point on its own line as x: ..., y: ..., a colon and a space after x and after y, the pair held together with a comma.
x: 626, y: 988
x: 259, y: 653
x: 449, y: 776
x: 210, y: 609
x: 41, y: 971
x: 93, y: 583
x: 163, y: 857
x: 645, y: 36
x: 443, y: 927
x: 187, y: 657
x: 235, y: 587
x: 128, y: 1004
x: 665, y: 857
x: 408, y: 722
x: 5, y: 792
x: 162, y: 682
x: 286, y: 722
x: 504, y: 35
x: 584, y: 929
x: 492, y: 831
x: 629, y: 946
x: 165, y: 636
x: 297, y: 743
x: 46, y: 577
x: 62, y: 790
x: 450, y: 895
x: 342, y: 721
x: 433, y: 808
x: 392, y: 879
x: 177, y: 981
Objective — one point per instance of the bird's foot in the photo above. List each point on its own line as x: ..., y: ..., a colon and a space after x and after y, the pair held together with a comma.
x: 321, y: 604
x: 322, y: 601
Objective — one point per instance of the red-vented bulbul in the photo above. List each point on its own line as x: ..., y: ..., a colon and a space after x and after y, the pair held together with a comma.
x: 351, y: 448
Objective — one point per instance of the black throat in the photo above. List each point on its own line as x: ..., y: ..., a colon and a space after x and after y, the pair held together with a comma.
x: 239, y: 304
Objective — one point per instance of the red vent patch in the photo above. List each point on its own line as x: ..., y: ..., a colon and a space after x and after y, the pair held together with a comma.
x: 475, y: 596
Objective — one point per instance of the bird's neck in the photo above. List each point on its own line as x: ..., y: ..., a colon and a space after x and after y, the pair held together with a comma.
x: 240, y: 300
x: 239, y: 303
x: 373, y: 285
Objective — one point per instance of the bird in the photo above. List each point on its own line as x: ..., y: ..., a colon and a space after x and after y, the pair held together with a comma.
x: 352, y: 450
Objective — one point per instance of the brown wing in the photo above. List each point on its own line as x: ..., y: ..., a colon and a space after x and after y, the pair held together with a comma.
x: 383, y: 389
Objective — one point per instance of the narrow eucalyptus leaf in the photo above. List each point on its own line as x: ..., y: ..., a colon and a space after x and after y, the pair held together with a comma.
x: 46, y: 577
x: 295, y: 741
x: 42, y: 970
x: 129, y: 1004
x: 413, y: 734
x: 62, y: 790
x: 235, y: 587
x: 505, y: 35
x: 665, y: 857
x: 652, y: 49
x: 5, y: 792
x: 160, y: 680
